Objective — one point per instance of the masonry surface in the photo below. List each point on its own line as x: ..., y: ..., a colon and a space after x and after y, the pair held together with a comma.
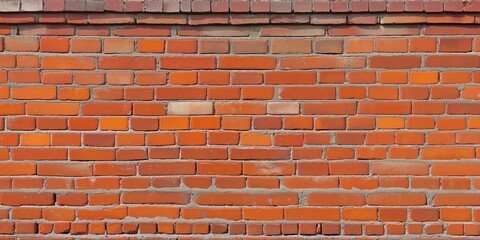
x: 315, y: 124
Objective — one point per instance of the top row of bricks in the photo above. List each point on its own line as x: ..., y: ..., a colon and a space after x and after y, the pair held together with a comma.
x: 233, y: 6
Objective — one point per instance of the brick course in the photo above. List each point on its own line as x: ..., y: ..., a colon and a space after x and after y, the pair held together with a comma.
x: 239, y: 119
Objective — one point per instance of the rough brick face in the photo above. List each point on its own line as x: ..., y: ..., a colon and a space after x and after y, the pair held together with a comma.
x: 239, y: 119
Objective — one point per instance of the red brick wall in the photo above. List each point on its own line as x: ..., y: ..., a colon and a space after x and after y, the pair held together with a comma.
x: 361, y: 122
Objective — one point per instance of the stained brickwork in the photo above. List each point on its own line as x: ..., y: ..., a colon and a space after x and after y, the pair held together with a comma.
x: 239, y: 119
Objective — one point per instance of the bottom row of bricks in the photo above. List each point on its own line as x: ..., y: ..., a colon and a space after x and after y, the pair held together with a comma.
x: 373, y: 229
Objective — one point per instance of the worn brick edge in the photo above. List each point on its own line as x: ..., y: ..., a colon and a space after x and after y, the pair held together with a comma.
x: 240, y: 6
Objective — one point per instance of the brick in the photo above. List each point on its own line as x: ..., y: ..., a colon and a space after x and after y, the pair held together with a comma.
x: 189, y: 108
x: 67, y: 170
x: 348, y: 168
x: 118, y: 46
x: 423, y: 45
x: 447, y: 153
x: 8, y: 62
x: 288, y: 31
x: 149, y: 211
x: 402, y: 18
x: 30, y: 93
x: 291, y: 46
x: 59, y: 30
x: 28, y: 61
x: 17, y: 199
x: 395, y: 62
x: 400, y: 168
x: 119, y: 78
x: 114, y: 124
x: 398, y: 199
x: 210, y: 19
x: 247, y: 62
x: 322, y: 62
x: 151, y: 45
x: 360, y: 45
x: 160, y: 19
x: 384, y: 108
x: 391, y: 44
x: 18, y: 169
x: 329, y: 108
x: 262, y: 169
x: 455, y: 45
x: 240, y: 108
x: 328, y: 46
x: 105, y: 109
x: 213, y: 31
x: 35, y: 139
x: 176, y: 93
x: 283, y: 108
x: 10, y: 6
x: 22, y: 44
x: 182, y: 46
x: 289, y: 19
x: 255, y: 139
x: 47, y: 108
x: 54, y: 44
x: 140, y: 63
x: 246, y: 199
x: 213, y: 46
x: 379, y: 30
x: 285, y: 77
x: 452, y: 61
x: 257, y: 93
x: 74, y: 94
x: 225, y: 168
x: 72, y: 63
x: 187, y: 62
x: 249, y: 46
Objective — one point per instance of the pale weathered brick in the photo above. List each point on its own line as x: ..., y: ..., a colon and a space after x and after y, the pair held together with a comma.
x: 190, y: 108
x: 283, y: 108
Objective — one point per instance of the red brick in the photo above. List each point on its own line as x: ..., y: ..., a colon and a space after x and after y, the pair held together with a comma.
x: 399, y: 62
x: 140, y: 63
x: 185, y: 63
x: 247, y: 62
x: 322, y: 62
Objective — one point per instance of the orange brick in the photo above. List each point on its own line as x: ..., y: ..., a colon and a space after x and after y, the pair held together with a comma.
x: 54, y: 44
x: 70, y: 63
x: 114, y: 124
x: 35, y: 139
x: 50, y: 108
x: 151, y: 45
x: 359, y: 45
x: 86, y: 45
x: 391, y: 45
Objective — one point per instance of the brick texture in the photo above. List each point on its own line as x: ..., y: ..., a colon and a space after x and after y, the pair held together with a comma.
x: 330, y: 122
